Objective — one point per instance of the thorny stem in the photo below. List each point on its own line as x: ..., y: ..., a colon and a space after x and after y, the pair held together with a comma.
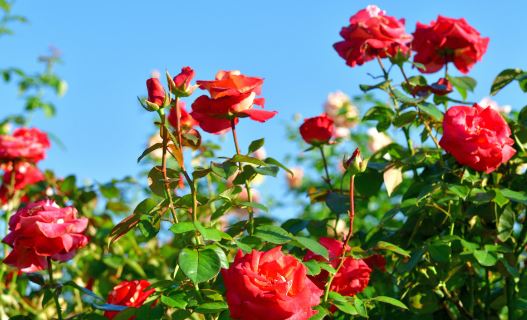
x: 247, y: 184
x: 168, y: 191
x: 351, y: 213
x: 324, y: 161
x: 52, y: 284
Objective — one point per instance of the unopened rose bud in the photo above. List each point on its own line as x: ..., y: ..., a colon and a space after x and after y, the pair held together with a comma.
x: 157, y: 98
x: 182, y: 87
x: 355, y: 164
x: 441, y: 87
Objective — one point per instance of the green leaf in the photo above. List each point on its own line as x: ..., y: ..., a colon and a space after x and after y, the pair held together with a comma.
x: 381, y: 85
x: 383, y: 245
x: 459, y: 190
x: 277, y: 163
x: 503, y: 79
x: 440, y: 252
x: 156, y: 181
x: 199, y: 265
x: 359, y: 306
x: 149, y: 150
x: 463, y: 85
x: 246, y: 159
x: 256, y: 144
x: 175, y: 301
x: 321, y: 314
x: 389, y: 300
x: 314, y: 246
x: 486, y: 259
x: 254, y: 205
x: 338, y: 203
x: 342, y: 303
x: 404, y: 119
x: 182, y: 227
x: 516, y: 196
x: 406, y: 100
x: 272, y: 234
x: 313, y: 267
x: 431, y: 110
x: 505, y: 224
x: 212, y: 307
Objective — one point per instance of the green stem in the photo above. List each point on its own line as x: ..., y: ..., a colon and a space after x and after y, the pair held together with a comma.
x: 168, y: 191
x: 53, y: 287
x: 351, y: 213
x: 247, y: 184
x: 509, y: 288
x: 324, y: 161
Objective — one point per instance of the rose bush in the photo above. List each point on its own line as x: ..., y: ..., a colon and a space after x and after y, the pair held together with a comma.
x: 425, y: 220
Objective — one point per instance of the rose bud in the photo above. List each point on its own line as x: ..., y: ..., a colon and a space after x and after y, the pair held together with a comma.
x: 477, y: 137
x: 441, y: 87
x: 447, y: 40
x: 355, y: 164
x: 180, y: 85
x: 352, y: 278
x: 130, y: 294
x: 43, y: 230
x: 232, y: 96
x: 269, y: 285
x: 27, y: 144
x: 372, y: 34
x: 317, y: 130
x: 156, y: 94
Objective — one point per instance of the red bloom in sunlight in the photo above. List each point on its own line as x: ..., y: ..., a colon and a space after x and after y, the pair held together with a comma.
x: 269, y: 285
x: 317, y: 130
x: 376, y: 261
x: 448, y: 40
x: 232, y: 96
x: 129, y: 294
x: 28, y: 144
x: 156, y: 92
x: 40, y: 230
x: 182, y: 82
x: 187, y: 122
x: 24, y: 174
x: 352, y: 277
x: 372, y: 34
x: 477, y: 137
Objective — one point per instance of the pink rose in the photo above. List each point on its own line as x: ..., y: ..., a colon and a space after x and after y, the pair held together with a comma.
x: 25, y: 174
x: 28, y: 144
x: 40, y: 230
x: 477, y: 137
x: 372, y: 34
x: 269, y: 285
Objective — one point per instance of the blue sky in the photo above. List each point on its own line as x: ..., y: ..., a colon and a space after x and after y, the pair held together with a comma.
x: 110, y: 48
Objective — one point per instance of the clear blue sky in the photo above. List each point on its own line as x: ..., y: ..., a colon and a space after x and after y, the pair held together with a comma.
x: 110, y: 47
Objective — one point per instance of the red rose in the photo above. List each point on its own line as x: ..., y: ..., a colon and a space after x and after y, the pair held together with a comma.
x: 182, y: 82
x: 372, y: 34
x: 42, y: 229
x: 129, y: 294
x: 477, y: 137
x: 448, y: 40
x: 317, y: 130
x: 25, y: 174
x: 376, y: 261
x: 187, y: 122
x: 232, y: 96
x: 25, y: 144
x: 156, y: 92
x: 269, y: 285
x: 352, y: 277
